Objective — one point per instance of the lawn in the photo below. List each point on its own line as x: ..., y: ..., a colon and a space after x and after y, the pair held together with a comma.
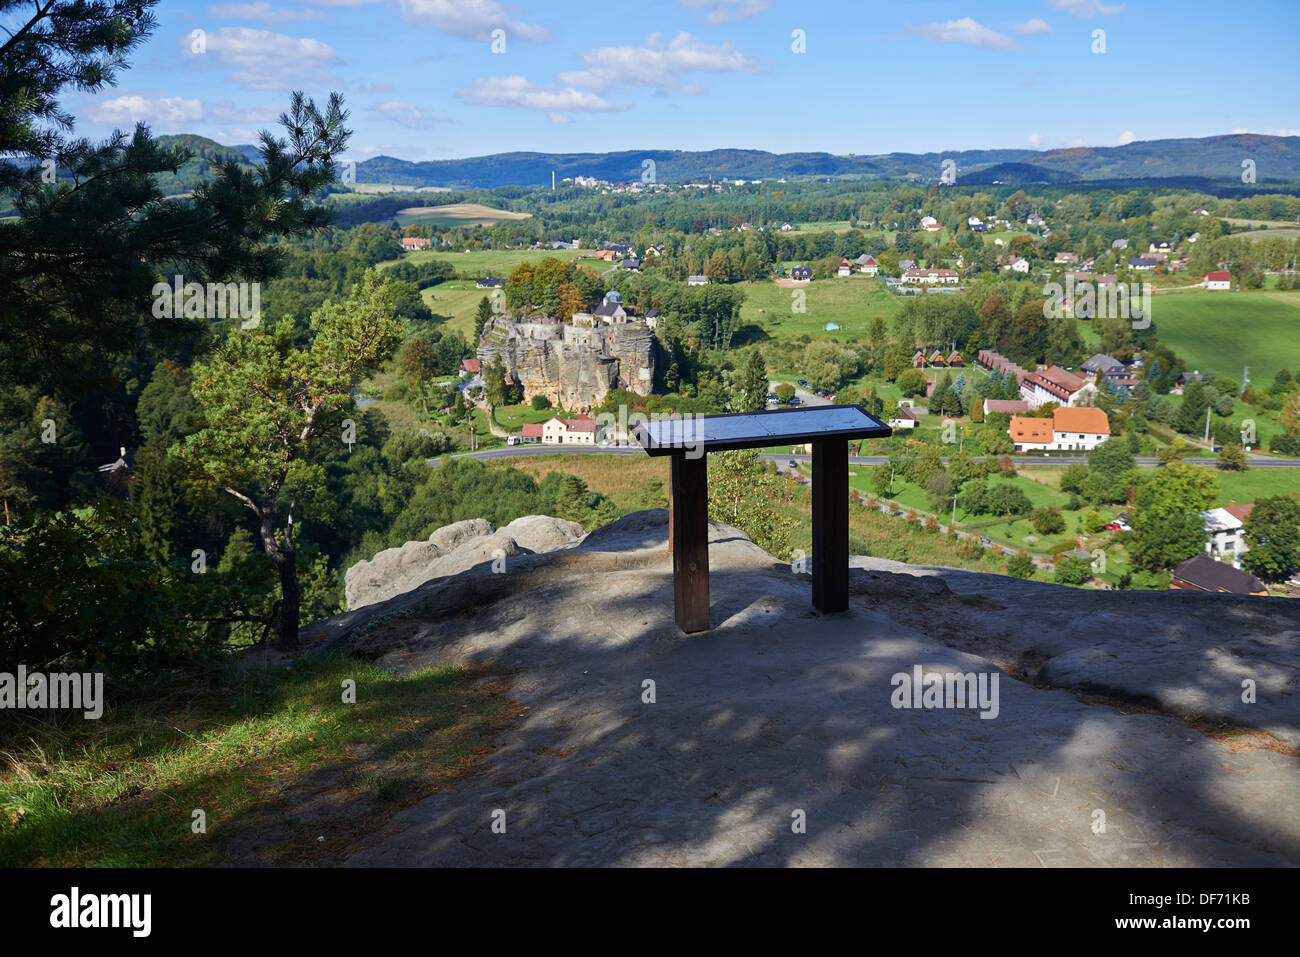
x: 514, y: 417
x: 250, y: 746
x: 851, y: 303
x: 456, y: 214
x: 1224, y: 331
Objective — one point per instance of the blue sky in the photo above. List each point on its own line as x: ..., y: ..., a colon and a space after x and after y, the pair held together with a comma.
x: 423, y: 81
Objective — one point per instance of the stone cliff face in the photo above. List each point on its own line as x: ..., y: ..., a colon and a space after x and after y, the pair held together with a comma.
x: 573, y: 366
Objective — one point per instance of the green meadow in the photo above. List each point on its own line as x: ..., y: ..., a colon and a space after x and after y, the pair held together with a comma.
x: 1224, y: 331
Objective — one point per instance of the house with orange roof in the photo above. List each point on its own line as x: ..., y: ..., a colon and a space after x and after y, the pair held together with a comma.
x: 1080, y: 428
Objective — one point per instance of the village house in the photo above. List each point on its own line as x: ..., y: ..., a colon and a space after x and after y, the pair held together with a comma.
x: 846, y: 268
x: 1143, y: 263
x: 1066, y: 259
x: 930, y: 277
x: 611, y: 308
x: 1016, y: 264
x: 1223, y: 533
x: 930, y: 224
x: 904, y: 418
x: 997, y: 364
x: 867, y: 265
x: 1218, y: 279
x: 800, y: 274
x: 488, y: 282
x: 411, y: 243
x: 1068, y: 429
x: 1160, y: 246
x: 579, y: 430
x: 1203, y: 573
x: 532, y: 432
x: 1055, y: 384
x: 697, y: 280
x: 1006, y: 406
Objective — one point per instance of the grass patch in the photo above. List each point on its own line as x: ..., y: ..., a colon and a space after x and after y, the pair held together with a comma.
x: 272, y: 756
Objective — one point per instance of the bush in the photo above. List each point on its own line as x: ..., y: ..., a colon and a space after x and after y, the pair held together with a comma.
x: 1020, y: 565
x: 1047, y: 521
x: 1071, y: 570
x: 540, y: 402
x: 123, y: 616
x: 1285, y: 444
x: 970, y: 549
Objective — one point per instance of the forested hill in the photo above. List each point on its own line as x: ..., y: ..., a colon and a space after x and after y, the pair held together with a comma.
x: 1214, y: 158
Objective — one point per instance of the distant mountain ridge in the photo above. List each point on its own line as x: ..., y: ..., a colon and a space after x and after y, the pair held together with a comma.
x: 1217, y: 159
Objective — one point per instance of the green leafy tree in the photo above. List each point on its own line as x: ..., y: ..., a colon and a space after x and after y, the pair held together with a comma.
x: 752, y: 394
x: 481, y: 318
x: 1232, y: 458
x: 745, y: 494
x: 1272, y: 530
x: 267, y: 407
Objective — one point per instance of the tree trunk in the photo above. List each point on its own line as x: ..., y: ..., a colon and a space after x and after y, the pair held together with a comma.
x: 287, y: 570
x: 290, y: 594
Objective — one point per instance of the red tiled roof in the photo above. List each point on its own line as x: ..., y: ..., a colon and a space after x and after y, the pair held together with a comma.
x: 1241, y: 512
x: 532, y: 430
x: 579, y: 423
x: 1027, y: 429
x: 1218, y: 276
x: 472, y: 366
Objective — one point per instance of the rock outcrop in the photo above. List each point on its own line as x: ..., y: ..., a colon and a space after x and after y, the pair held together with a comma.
x: 573, y: 366
x: 453, y: 549
x: 637, y: 745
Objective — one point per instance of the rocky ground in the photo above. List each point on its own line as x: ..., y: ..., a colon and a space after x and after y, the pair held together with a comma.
x: 1121, y: 737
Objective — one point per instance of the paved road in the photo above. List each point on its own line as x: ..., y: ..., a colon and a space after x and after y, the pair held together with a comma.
x: 514, y: 450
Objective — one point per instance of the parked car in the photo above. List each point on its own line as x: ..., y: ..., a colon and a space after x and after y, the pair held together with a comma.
x: 1112, y: 526
x: 1124, y: 526
x: 512, y: 440
x: 793, y: 465
x: 803, y: 382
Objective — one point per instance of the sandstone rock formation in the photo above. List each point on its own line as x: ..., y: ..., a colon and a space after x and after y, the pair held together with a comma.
x: 573, y: 366
x: 1128, y: 703
x: 452, y: 549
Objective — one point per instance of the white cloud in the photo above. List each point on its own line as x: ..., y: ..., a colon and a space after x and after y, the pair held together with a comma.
x: 657, y: 64
x: 1033, y: 27
x: 471, y: 19
x: 262, y: 12
x: 1071, y: 142
x: 180, y: 113
x: 1082, y: 9
x: 168, y: 112
x: 270, y: 61
x: 1034, y: 141
x: 965, y: 30
x: 1127, y: 137
x: 521, y: 93
x: 726, y: 11
x: 560, y: 118
x: 408, y: 115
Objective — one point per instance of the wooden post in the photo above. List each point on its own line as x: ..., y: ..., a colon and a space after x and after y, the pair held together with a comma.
x: 672, y: 508
x: 830, y: 525
x: 690, y: 541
